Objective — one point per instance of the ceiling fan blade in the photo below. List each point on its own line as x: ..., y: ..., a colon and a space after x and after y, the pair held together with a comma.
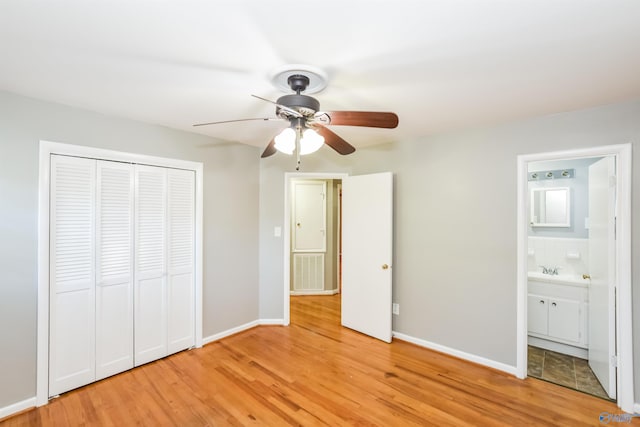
x: 359, y: 118
x: 291, y: 111
x: 236, y: 120
x: 334, y: 141
x: 270, y: 150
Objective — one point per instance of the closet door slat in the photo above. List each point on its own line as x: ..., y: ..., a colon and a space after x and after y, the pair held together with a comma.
x: 114, y: 268
x: 181, y: 285
x: 72, y: 273
x: 150, y: 295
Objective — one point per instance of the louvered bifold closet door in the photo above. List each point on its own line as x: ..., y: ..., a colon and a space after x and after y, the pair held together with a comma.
x: 150, y: 297
x: 181, y: 285
x: 72, y: 273
x: 114, y: 268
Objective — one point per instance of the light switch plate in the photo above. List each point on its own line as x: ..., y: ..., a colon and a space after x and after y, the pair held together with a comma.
x: 395, y: 308
x: 277, y: 231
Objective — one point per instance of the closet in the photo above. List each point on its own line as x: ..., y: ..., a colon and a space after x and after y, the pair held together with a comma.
x: 122, y: 283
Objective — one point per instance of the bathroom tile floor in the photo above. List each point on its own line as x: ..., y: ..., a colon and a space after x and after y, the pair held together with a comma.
x: 564, y: 370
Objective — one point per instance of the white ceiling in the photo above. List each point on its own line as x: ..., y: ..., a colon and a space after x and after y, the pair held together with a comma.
x: 440, y: 65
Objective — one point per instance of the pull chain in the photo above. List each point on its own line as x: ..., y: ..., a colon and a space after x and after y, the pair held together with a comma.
x: 298, y: 137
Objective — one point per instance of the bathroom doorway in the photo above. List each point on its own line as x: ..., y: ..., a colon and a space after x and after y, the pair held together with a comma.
x: 573, y: 255
x: 568, y: 333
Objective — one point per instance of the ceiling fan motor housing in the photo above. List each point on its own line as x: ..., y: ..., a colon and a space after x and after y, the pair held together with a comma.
x: 299, y: 102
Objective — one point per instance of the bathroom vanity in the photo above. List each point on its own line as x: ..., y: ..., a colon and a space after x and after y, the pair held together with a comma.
x: 557, y: 307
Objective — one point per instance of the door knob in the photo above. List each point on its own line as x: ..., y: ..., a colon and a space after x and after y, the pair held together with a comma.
x: 385, y: 266
x: 586, y: 276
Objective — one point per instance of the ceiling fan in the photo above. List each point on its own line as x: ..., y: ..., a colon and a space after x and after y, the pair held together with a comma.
x: 307, y: 130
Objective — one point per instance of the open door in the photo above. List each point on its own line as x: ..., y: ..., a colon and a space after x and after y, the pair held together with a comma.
x: 602, y: 327
x: 367, y: 237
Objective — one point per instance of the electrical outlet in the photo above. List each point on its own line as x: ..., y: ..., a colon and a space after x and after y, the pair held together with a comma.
x: 395, y: 308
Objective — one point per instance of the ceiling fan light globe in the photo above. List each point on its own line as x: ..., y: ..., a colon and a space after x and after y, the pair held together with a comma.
x: 311, y: 142
x: 285, y: 142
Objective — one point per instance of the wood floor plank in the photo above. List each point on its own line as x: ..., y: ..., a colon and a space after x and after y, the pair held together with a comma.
x: 315, y: 372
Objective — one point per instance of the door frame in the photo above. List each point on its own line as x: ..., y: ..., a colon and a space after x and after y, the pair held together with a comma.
x: 624, y: 336
x: 288, y: 179
x: 47, y: 148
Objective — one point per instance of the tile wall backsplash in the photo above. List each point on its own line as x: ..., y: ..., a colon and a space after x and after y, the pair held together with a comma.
x: 571, y: 255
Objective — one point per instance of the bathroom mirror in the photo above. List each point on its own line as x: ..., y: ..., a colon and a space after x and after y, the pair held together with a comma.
x: 550, y: 207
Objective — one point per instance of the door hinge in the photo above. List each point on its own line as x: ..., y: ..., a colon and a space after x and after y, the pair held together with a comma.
x: 614, y: 361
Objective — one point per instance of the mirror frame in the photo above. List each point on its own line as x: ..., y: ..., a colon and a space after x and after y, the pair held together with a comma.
x: 566, y: 223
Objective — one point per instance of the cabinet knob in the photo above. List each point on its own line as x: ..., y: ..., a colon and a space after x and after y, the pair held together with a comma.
x: 541, y: 301
x: 553, y: 304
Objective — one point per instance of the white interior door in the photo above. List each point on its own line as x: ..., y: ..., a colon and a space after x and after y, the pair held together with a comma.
x: 309, y: 216
x: 367, y: 238
x: 72, y: 273
x: 150, y: 299
x: 602, y: 329
x: 114, y: 268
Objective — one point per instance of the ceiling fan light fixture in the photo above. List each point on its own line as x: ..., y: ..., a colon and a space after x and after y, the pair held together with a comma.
x: 285, y: 141
x: 311, y: 142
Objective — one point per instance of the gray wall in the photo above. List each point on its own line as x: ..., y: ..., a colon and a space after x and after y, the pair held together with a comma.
x: 231, y: 197
x: 455, y: 223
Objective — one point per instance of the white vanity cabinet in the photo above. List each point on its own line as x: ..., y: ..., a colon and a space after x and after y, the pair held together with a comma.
x: 558, y: 312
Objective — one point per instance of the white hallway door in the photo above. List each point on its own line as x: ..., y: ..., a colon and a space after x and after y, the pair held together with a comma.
x: 96, y: 207
x: 367, y: 239
x: 309, y: 240
x: 602, y: 327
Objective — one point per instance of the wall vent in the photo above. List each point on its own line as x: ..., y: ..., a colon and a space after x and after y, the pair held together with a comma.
x: 308, y: 272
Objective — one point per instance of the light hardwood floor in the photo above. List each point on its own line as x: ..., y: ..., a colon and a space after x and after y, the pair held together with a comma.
x: 315, y: 372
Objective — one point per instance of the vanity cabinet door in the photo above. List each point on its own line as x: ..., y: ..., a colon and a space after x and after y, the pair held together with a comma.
x: 538, y: 318
x: 564, y: 319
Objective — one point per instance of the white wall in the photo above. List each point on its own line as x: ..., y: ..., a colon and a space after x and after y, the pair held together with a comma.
x: 455, y: 230
x: 230, y: 220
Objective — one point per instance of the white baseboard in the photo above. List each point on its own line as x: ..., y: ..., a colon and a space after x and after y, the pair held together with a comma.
x: 278, y: 322
x: 241, y: 328
x: 228, y: 332
x: 457, y: 353
x: 581, y: 353
x: 17, y: 407
x: 329, y: 292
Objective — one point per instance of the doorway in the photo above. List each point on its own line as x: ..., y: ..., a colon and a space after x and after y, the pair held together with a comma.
x: 558, y: 287
x: 568, y: 332
x: 367, y: 251
x: 315, y: 236
x: 290, y: 178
